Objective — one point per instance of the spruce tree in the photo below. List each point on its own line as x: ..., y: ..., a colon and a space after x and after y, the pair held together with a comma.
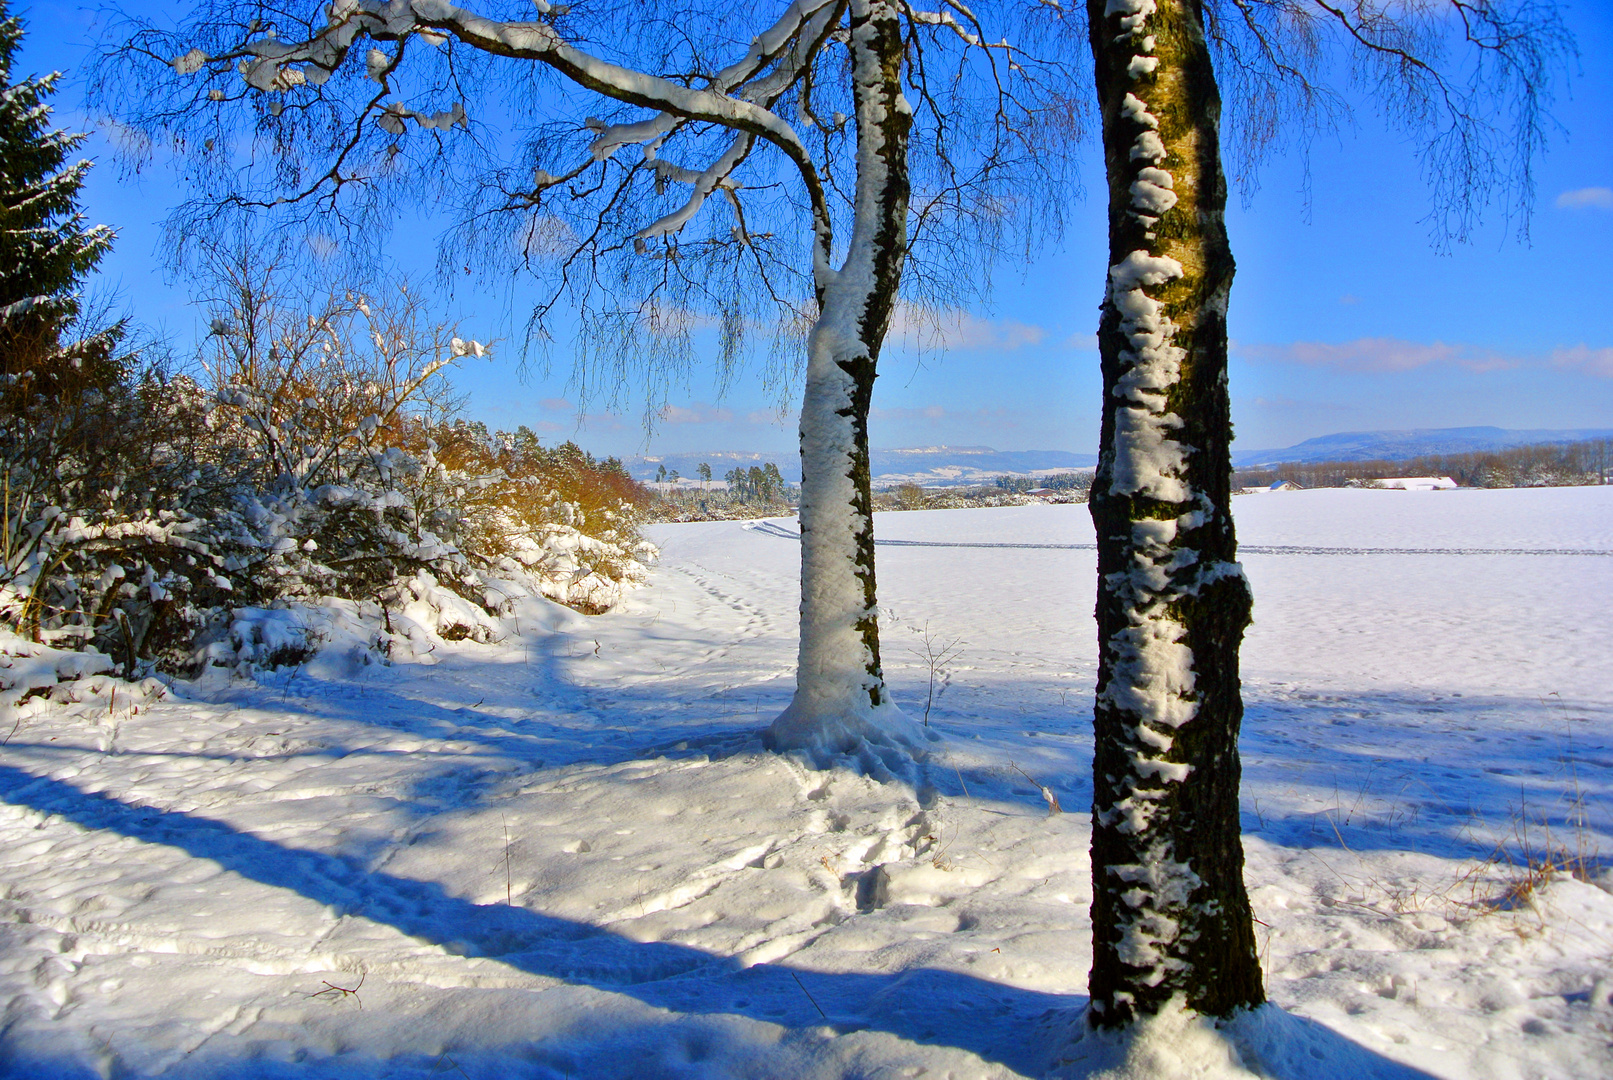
x: 46, y: 249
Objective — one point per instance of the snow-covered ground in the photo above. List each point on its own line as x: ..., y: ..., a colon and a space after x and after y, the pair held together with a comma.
x: 566, y: 855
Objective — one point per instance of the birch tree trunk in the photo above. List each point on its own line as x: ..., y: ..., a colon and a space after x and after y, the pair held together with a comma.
x: 841, y: 705
x: 1170, y: 913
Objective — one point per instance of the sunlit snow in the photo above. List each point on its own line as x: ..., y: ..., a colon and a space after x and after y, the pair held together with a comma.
x: 566, y: 854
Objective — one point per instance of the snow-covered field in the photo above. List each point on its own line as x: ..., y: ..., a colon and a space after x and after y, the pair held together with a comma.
x: 566, y: 855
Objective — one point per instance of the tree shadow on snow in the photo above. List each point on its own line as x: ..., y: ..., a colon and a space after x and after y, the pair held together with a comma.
x: 1430, y: 773
x: 540, y: 717
x: 1446, y: 775
x: 993, y: 1020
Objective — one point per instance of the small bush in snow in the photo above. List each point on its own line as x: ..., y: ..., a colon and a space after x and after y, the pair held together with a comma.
x: 150, y: 519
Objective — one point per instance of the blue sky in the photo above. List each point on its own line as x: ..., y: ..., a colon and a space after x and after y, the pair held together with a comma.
x: 1343, y: 317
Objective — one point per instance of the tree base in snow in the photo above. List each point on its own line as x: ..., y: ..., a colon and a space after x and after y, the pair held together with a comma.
x: 1264, y: 1043
x: 882, y: 741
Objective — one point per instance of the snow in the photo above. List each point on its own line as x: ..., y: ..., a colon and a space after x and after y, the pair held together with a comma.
x: 1142, y: 65
x: 190, y: 63
x: 704, y: 184
x: 1147, y: 146
x: 564, y: 852
x: 1147, y: 457
x: 1133, y: 109
x: 1417, y: 483
x: 27, y: 668
x: 1151, y: 191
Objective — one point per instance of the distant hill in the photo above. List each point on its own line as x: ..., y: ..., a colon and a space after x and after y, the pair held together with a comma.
x: 644, y: 466
x: 945, y: 466
x: 1402, y: 445
x: 941, y: 466
x: 931, y: 466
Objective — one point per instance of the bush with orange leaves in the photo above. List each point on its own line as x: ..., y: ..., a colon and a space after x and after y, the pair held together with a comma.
x: 313, y: 465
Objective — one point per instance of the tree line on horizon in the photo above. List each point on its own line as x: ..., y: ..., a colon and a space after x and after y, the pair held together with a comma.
x: 1538, y: 465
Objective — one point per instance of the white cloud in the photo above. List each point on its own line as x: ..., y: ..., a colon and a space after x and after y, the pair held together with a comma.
x: 952, y: 328
x: 321, y: 245
x: 926, y: 412
x: 556, y: 404
x: 1285, y: 406
x: 1362, y: 355
x: 1583, y: 358
x: 771, y: 417
x: 931, y: 417
x: 697, y: 413
x: 545, y: 236
x: 1586, y: 198
x: 1378, y: 356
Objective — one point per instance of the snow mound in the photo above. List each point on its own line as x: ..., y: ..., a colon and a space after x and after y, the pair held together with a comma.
x: 882, y: 742
x: 34, y: 677
x: 1180, y: 1044
x: 291, y: 636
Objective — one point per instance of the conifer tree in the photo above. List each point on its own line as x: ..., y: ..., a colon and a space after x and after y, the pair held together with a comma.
x: 46, y: 248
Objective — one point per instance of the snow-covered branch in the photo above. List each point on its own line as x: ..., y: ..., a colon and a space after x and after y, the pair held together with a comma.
x: 270, y: 65
x: 948, y: 20
x: 716, y: 174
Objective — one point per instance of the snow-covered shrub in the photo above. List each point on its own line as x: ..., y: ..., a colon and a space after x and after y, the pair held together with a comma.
x: 101, y: 510
x: 167, y: 524
x: 334, y: 397
x: 553, y: 514
x: 363, y: 489
x: 34, y: 676
x: 29, y: 669
x: 114, y: 535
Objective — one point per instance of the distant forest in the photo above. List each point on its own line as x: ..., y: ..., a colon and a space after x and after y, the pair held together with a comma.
x: 1543, y: 465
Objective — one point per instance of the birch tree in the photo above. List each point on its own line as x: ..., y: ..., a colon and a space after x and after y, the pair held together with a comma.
x: 1170, y: 913
x: 768, y: 164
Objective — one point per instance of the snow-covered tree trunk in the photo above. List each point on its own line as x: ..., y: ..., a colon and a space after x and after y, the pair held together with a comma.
x: 1170, y: 913
x: 841, y: 704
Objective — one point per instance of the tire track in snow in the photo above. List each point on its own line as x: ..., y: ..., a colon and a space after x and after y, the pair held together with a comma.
x: 1283, y: 549
x: 1243, y: 549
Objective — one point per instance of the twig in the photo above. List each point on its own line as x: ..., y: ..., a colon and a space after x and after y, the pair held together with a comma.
x: 332, y: 988
x: 808, y: 994
x: 961, y: 784
x: 935, y: 657
x: 509, y: 896
x: 452, y: 1062
x: 1053, y: 806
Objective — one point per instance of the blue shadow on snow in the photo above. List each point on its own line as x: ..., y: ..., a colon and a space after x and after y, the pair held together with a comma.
x: 989, y: 1019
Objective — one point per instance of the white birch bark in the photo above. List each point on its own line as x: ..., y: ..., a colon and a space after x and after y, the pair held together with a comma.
x: 841, y: 706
